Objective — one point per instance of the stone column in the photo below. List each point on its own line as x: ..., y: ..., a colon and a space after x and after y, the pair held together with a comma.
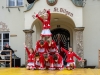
x: 79, y: 44
x: 28, y: 41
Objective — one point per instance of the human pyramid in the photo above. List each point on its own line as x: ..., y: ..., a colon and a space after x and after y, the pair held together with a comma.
x: 45, y: 55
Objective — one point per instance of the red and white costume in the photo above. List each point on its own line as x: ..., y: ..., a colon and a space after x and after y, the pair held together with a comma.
x: 41, y: 49
x: 31, y: 60
x: 70, y: 56
x: 52, y: 48
x: 47, y: 63
x: 57, y: 64
x: 46, y: 25
x: 39, y: 63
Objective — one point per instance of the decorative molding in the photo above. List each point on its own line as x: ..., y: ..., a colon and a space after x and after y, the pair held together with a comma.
x: 2, y: 7
x: 8, y: 9
x: 13, y: 35
x: 30, y: 6
x: 18, y: 8
x: 28, y: 31
x: 79, y: 28
x: 52, y: 2
x: 3, y: 27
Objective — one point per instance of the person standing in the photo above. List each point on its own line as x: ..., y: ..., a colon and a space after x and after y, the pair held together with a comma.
x: 60, y: 44
x: 46, y: 24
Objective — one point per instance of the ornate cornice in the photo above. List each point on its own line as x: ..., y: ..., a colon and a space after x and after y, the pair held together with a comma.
x: 30, y: 6
x: 79, y: 28
x: 28, y: 31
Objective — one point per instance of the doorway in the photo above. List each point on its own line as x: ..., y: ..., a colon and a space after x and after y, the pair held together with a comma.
x: 65, y: 36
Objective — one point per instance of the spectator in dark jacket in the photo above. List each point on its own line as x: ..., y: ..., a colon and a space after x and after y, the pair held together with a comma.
x: 60, y: 44
x: 7, y: 47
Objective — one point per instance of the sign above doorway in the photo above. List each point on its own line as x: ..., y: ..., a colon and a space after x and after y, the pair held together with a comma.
x: 55, y: 9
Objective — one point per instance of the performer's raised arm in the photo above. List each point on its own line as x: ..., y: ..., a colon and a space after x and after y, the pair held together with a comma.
x: 27, y: 50
x: 62, y: 49
x: 49, y: 15
x: 79, y: 58
x: 39, y: 18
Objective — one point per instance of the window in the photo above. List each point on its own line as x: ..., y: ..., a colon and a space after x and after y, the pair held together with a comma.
x: 4, y: 39
x: 14, y: 3
x: 19, y: 2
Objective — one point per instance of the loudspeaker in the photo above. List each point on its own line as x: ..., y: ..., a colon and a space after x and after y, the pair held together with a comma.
x: 16, y: 62
x: 92, y: 67
x: 30, y: 1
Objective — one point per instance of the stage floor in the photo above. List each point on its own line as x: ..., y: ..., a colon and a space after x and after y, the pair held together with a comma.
x: 23, y: 71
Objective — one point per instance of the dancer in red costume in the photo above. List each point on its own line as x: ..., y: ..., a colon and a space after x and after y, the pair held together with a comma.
x: 39, y: 62
x: 57, y: 61
x: 41, y: 47
x: 52, y: 48
x: 31, y: 59
x: 47, y: 60
x: 70, y: 61
x: 46, y: 24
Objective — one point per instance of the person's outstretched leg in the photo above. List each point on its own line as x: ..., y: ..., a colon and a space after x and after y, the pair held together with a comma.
x: 28, y: 67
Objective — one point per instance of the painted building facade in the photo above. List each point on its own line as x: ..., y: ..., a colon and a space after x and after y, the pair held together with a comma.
x: 79, y: 26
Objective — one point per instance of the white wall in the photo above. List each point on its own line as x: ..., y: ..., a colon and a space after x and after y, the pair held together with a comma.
x: 92, y: 31
x: 15, y: 22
